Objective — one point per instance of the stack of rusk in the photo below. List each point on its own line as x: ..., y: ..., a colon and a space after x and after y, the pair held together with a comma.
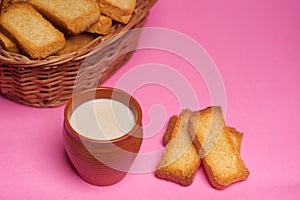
x: 40, y: 28
x: 201, y: 137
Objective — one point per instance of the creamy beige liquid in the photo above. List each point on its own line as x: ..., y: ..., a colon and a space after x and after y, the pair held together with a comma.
x: 102, y: 119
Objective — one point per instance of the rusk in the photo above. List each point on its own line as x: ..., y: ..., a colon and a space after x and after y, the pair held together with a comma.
x: 221, y: 159
x: 235, y: 136
x: 167, y: 135
x: 34, y: 35
x: 73, y: 16
x: 102, y: 26
x: 119, y: 10
x: 180, y: 160
x: 76, y: 42
x: 6, y: 3
x: 8, y: 44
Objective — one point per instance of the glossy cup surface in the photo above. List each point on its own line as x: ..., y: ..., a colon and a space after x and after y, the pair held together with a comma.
x: 102, y: 162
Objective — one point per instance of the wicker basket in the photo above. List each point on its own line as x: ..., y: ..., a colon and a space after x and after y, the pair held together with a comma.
x: 50, y: 82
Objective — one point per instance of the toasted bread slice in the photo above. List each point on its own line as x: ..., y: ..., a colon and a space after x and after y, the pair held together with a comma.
x: 76, y: 42
x: 167, y: 135
x: 34, y: 35
x: 74, y: 16
x: 221, y: 160
x: 235, y: 136
x: 207, y: 126
x: 180, y: 160
x: 8, y: 44
x: 6, y: 3
x: 119, y: 10
x: 102, y: 26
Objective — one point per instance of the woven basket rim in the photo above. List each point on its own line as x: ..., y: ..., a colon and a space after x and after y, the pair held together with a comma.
x: 21, y: 60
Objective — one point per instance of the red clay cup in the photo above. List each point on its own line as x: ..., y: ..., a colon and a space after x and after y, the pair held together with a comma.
x: 102, y: 162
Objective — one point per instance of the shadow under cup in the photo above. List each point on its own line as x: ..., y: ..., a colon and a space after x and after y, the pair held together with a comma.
x: 102, y: 162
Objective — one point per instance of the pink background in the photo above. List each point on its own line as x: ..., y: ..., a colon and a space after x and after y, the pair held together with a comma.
x: 255, y: 45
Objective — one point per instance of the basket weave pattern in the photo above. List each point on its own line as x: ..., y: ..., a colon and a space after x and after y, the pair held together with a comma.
x: 50, y: 82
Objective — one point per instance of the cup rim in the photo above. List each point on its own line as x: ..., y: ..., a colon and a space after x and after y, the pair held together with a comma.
x: 78, y: 136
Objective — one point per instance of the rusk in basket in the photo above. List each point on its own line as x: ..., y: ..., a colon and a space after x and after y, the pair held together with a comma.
x: 49, y: 82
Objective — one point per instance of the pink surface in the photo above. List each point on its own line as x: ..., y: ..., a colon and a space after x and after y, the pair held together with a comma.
x: 256, y: 47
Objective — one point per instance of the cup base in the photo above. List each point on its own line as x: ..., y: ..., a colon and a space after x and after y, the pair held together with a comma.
x: 104, y: 183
